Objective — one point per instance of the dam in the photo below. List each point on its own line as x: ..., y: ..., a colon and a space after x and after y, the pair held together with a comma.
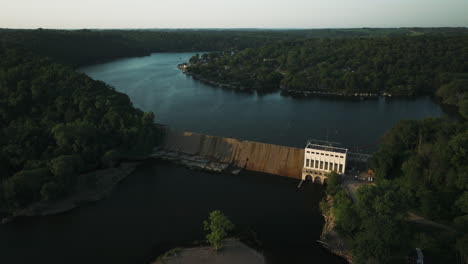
x: 230, y: 154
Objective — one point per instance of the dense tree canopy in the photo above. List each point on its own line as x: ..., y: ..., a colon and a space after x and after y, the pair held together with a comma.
x: 427, y: 161
x: 80, y: 47
x: 57, y: 123
x: 398, y: 65
x: 420, y: 167
x: 429, y: 158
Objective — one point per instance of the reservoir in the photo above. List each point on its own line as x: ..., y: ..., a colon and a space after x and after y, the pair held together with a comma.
x: 161, y: 206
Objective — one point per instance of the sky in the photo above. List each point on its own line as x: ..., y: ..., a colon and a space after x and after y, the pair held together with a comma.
x: 76, y: 14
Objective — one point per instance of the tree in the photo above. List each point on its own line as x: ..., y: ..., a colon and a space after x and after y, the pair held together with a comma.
x: 333, y: 183
x: 346, y: 217
x: 464, y: 107
x: 217, y: 226
x: 24, y: 187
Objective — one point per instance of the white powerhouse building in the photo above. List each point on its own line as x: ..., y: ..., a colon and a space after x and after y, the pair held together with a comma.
x: 319, y: 160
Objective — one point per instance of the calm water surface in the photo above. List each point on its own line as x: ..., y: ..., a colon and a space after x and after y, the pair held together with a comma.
x: 155, y: 84
x: 161, y: 205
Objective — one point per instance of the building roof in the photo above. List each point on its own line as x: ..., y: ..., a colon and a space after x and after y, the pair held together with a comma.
x: 326, y: 148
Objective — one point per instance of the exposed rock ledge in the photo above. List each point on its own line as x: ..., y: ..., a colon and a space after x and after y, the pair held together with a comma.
x: 330, y: 238
x: 103, y: 182
x: 193, y: 161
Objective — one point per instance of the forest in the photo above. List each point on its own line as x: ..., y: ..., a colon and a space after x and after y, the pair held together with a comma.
x: 398, y: 65
x: 57, y: 123
x: 83, y: 47
x: 421, y: 167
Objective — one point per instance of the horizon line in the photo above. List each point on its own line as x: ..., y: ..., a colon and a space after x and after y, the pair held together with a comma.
x: 235, y: 28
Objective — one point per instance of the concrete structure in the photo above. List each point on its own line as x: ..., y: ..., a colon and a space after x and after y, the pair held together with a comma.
x: 319, y: 160
x: 312, y: 163
x: 248, y: 155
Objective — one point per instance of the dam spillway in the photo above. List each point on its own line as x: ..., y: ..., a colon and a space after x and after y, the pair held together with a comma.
x: 249, y: 155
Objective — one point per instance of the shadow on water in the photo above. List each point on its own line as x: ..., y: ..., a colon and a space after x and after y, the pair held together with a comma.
x: 161, y: 206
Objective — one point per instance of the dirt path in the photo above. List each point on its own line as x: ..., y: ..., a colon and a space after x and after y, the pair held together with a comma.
x: 352, y: 184
x: 412, y: 217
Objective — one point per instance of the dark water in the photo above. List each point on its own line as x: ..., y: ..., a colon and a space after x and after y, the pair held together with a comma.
x: 162, y: 205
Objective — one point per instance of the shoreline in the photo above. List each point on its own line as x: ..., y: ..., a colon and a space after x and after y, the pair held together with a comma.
x: 330, y: 238
x: 291, y: 92
x: 105, y: 181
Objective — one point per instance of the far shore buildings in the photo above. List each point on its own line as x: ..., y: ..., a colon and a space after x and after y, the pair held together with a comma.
x: 320, y: 160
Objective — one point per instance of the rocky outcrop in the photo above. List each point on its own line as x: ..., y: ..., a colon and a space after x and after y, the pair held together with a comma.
x: 193, y: 161
x: 330, y: 238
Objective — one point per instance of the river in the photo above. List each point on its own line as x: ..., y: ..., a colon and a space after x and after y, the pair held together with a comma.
x: 161, y: 205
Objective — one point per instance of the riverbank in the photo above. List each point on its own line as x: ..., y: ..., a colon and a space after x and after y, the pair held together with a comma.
x: 232, y: 86
x: 330, y: 238
x: 92, y: 186
x: 234, y: 252
x: 284, y: 90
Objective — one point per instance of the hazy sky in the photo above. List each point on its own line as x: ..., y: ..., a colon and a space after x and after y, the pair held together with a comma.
x: 231, y: 13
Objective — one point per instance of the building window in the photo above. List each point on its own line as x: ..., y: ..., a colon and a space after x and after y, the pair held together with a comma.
x: 336, y: 166
x: 321, y: 165
x: 321, y: 153
x: 307, y: 162
x: 316, y: 164
x: 326, y: 165
x: 326, y: 155
x: 313, y: 152
x: 341, y: 156
x: 341, y: 168
x: 308, y: 151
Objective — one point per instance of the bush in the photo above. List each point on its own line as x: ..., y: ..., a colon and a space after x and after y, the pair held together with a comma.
x: 217, y: 226
x: 24, y: 187
x: 333, y: 183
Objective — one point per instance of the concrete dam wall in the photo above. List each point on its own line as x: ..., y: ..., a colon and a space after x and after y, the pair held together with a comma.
x: 249, y: 155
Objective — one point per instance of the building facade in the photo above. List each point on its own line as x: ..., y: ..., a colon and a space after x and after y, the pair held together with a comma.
x: 319, y: 160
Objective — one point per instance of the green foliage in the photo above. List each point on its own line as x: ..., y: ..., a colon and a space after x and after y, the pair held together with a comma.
x: 399, y: 65
x: 375, y: 222
x: 427, y: 158
x: 462, y: 202
x: 333, y: 183
x: 421, y: 165
x: 381, y: 211
x: 51, y: 190
x: 61, y: 123
x: 65, y: 168
x: 217, y: 227
x: 344, y: 212
x: 454, y: 91
x: 24, y: 187
x: 463, y: 107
